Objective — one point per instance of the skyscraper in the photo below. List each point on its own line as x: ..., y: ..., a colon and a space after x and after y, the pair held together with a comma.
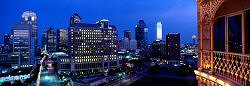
x: 93, y: 47
x: 120, y: 44
x: 22, y: 43
x: 159, y: 31
x: 7, y: 39
x: 125, y: 43
x: 49, y: 39
x: 128, y: 34
x: 62, y: 40
x: 158, y: 49
x: 132, y: 44
x: 44, y: 39
x: 75, y: 19
x: 173, y: 46
x: 29, y: 17
x: 141, y: 35
x: 128, y: 44
x: 194, y: 39
x: 8, y: 47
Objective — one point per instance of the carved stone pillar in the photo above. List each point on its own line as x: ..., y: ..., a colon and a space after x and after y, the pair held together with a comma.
x: 212, y: 46
x: 200, y: 63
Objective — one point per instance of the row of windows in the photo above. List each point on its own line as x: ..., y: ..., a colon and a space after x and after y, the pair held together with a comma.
x: 234, y: 33
x: 96, y: 56
x: 88, y: 57
x: 88, y: 60
x: 90, y: 65
x: 65, y: 66
x: 93, y: 59
x: 65, y: 60
x: 90, y: 30
x: 91, y: 38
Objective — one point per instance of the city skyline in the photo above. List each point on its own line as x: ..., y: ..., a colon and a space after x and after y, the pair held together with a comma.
x: 167, y: 13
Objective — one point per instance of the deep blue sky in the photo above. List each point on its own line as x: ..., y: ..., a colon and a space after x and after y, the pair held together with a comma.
x: 175, y: 15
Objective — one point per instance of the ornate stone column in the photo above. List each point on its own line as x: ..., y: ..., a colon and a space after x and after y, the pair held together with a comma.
x: 212, y: 46
x: 200, y: 66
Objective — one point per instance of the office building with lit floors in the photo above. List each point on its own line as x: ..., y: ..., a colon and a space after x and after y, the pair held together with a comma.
x: 30, y: 17
x: 62, y: 40
x: 93, y: 47
x: 22, y: 43
x: 224, y: 43
x: 49, y: 40
x: 141, y: 35
x: 173, y: 46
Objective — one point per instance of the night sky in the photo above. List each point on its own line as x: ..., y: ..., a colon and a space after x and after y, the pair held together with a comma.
x: 175, y: 15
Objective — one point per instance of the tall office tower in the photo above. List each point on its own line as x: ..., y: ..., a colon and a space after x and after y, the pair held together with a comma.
x: 158, y: 49
x: 128, y: 44
x: 110, y: 43
x: 29, y: 17
x: 194, y: 39
x: 93, y: 47
x: 8, y: 47
x: 141, y: 35
x: 62, y: 40
x: 125, y: 43
x: 7, y: 39
x: 120, y: 44
x: 75, y: 19
x: 49, y: 39
x: 22, y: 43
x: 44, y: 39
x: 159, y: 31
x: 132, y: 44
x: 128, y: 34
x: 173, y: 46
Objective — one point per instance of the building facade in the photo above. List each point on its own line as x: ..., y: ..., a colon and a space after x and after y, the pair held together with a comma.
x: 141, y: 37
x: 158, y: 49
x: 173, y: 46
x: 63, y: 62
x: 22, y: 43
x: 223, y: 42
x: 11, y: 59
x: 132, y: 44
x: 128, y: 34
x: 8, y: 44
x: 62, y: 40
x: 29, y: 17
x: 49, y: 40
x: 125, y: 43
x: 7, y: 39
x: 93, y: 47
x: 159, y: 31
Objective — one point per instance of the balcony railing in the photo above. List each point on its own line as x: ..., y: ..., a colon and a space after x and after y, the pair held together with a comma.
x: 225, y: 67
x: 232, y: 65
